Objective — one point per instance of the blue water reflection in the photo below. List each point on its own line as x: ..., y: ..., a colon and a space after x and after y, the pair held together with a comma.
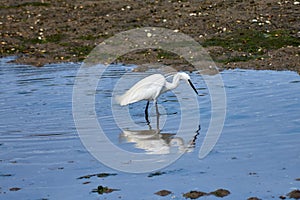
x: 41, y: 153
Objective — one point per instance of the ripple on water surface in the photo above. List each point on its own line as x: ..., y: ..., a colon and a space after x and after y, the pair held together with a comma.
x: 41, y: 153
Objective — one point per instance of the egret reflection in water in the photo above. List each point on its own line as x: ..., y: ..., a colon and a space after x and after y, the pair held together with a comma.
x: 153, y: 141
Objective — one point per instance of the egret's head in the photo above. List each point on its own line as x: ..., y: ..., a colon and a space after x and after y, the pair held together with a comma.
x: 187, y: 78
x: 184, y: 76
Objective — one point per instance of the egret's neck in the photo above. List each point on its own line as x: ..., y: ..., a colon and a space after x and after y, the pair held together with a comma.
x: 174, y: 84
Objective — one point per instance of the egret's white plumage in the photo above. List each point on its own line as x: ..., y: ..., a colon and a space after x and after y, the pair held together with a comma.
x: 150, y: 88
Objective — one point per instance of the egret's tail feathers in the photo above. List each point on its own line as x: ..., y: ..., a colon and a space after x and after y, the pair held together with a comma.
x: 119, y: 100
x: 123, y: 100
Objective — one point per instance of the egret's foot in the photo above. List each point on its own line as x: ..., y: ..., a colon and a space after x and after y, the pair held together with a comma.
x: 147, y: 120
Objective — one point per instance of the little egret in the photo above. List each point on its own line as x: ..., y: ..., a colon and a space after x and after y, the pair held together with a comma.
x: 150, y: 88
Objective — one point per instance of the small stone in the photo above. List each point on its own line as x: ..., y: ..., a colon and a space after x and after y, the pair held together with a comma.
x: 294, y: 194
x: 163, y: 193
x: 102, y: 175
x: 99, y: 175
x: 194, y: 194
x: 268, y: 22
x: 253, y: 198
x: 220, y: 193
x: 14, y: 189
x: 101, y: 190
x: 149, y: 35
x: 158, y: 173
x: 252, y: 173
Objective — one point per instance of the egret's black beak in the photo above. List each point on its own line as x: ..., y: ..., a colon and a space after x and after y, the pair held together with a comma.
x: 191, y: 84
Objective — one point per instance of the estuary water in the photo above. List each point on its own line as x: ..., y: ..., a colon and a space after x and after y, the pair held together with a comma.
x: 42, y: 156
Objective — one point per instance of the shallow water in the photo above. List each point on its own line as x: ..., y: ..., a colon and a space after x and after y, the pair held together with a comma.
x: 258, y: 153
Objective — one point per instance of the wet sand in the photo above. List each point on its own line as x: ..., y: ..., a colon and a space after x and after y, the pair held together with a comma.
x: 243, y: 34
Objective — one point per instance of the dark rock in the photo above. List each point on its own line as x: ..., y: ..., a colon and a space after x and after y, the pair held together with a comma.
x: 220, y: 193
x: 101, y: 190
x: 194, y: 194
x: 14, y: 189
x: 156, y: 174
x: 100, y: 175
x: 163, y: 193
x: 295, y: 194
x: 253, y: 198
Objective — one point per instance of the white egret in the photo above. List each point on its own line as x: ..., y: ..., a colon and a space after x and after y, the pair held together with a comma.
x: 150, y: 88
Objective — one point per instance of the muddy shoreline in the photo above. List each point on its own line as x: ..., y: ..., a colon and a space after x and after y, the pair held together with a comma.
x: 244, y: 34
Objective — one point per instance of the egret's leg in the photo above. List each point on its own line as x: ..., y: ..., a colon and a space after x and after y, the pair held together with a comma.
x: 157, y: 119
x: 146, y: 113
x: 157, y: 115
x: 193, y: 142
x: 156, y: 107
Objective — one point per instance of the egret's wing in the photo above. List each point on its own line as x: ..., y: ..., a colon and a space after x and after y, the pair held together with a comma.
x: 146, y: 89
